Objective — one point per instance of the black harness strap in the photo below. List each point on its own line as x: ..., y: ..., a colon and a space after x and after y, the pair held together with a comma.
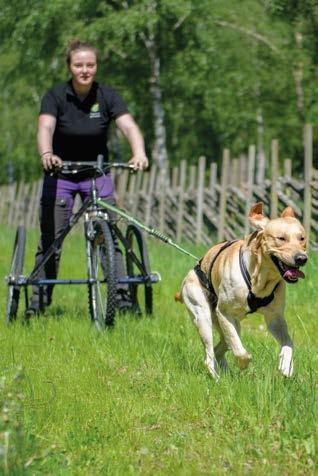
x: 253, y: 301
x: 206, y: 279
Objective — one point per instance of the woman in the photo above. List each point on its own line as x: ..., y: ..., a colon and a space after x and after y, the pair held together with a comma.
x: 73, y: 123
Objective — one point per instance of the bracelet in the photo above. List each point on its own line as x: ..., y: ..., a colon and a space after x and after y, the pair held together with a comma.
x: 47, y: 152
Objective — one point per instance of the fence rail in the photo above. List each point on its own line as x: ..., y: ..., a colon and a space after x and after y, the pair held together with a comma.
x: 197, y: 202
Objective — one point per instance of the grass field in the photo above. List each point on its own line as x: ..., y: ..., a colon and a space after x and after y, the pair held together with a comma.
x: 138, y: 400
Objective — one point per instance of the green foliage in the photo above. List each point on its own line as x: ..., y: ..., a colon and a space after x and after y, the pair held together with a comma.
x: 221, y: 63
x: 138, y: 399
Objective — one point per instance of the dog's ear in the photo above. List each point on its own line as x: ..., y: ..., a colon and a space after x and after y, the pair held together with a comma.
x: 256, y: 217
x: 288, y: 212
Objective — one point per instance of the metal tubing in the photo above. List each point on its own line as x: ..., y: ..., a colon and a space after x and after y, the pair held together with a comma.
x: 22, y: 281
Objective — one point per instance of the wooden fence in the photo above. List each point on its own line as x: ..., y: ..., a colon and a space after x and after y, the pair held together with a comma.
x: 198, y: 203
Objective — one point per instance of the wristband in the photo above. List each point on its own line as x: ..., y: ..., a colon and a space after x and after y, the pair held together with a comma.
x: 47, y: 152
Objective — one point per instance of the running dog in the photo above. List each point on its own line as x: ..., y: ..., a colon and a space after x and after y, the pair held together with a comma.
x: 243, y: 276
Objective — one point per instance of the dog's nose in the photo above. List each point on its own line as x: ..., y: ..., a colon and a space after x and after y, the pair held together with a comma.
x: 300, y: 259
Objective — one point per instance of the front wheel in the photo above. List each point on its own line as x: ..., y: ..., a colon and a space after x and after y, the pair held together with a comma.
x: 101, y: 274
x: 16, y: 270
x: 138, y: 245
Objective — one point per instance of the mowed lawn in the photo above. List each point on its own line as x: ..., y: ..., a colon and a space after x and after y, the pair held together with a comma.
x: 137, y: 399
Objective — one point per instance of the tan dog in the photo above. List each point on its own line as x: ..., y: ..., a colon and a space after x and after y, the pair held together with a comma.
x: 217, y: 290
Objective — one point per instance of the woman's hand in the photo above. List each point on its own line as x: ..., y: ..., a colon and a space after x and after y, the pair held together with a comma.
x: 139, y: 162
x: 51, y: 161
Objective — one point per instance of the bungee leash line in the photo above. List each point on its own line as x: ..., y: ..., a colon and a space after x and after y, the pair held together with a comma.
x: 151, y: 231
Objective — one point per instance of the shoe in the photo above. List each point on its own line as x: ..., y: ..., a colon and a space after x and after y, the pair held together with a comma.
x: 33, y: 311
x: 124, y: 303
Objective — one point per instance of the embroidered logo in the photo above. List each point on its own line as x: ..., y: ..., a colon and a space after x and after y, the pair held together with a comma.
x: 94, y: 112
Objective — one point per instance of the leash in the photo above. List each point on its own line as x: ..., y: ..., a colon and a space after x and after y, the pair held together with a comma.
x: 150, y: 231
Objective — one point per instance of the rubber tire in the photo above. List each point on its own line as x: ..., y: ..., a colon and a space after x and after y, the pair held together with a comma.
x: 101, y: 262
x: 138, y: 245
x: 16, y: 270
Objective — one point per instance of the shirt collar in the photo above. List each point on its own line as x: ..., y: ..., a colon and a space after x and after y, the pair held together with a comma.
x: 70, y: 90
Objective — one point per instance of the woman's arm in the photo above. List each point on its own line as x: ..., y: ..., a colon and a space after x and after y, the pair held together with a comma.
x: 46, y: 128
x: 131, y: 131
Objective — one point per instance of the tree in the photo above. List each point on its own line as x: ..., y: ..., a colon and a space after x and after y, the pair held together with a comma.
x: 198, y: 76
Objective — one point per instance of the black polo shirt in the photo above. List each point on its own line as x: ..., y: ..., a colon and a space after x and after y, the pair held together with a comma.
x: 81, y: 126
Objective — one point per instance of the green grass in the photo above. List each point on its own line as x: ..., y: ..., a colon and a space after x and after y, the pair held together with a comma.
x: 138, y: 400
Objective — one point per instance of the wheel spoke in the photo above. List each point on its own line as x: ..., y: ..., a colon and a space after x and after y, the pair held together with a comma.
x: 101, y: 268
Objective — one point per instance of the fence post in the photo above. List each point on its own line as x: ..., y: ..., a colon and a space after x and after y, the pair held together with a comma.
x: 137, y: 191
x: 12, y: 194
x: 287, y: 176
x: 4, y: 202
x: 250, y: 183
x: 183, y: 165
x: 308, y: 177
x: 274, y: 197
x: 200, y: 193
x: 153, y: 173
x: 213, y: 177
x: 260, y: 173
x: 162, y: 201
x: 242, y: 172
x: 235, y: 174
x: 35, y: 216
x: 224, y: 182
x: 287, y: 168
x: 174, y: 179
x: 193, y: 170
x: 121, y: 186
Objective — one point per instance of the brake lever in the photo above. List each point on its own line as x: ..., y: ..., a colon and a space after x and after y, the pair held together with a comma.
x: 54, y: 171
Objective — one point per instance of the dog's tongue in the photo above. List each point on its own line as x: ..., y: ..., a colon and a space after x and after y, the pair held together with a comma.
x: 293, y: 273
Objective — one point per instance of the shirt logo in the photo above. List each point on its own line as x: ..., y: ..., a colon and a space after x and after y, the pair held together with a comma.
x: 94, y: 112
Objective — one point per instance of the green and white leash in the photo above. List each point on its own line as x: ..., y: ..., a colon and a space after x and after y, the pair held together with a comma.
x: 151, y: 231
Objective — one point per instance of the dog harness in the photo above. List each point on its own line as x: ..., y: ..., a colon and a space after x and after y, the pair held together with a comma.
x: 206, y: 279
x: 253, y: 301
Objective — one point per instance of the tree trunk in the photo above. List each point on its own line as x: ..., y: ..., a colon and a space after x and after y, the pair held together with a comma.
x: 159, y: 153
x: 298, y: 73
x: 260, y: 174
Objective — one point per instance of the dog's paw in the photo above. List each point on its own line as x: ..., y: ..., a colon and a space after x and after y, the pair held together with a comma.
x: 212, y: 371
x: 243, y: 360
x: 285, y: 365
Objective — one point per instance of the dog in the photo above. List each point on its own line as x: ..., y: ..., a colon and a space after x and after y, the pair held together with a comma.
x: 243, y: 276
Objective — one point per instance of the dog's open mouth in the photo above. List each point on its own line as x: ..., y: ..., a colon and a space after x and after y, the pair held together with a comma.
x: 290, y: 274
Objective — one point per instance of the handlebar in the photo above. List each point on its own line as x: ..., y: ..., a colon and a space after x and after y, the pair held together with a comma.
x: 73, y: 168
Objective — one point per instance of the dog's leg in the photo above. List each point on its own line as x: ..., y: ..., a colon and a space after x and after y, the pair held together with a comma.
x: 278, y: 328
x: 231, y: 330
x: 219, y: 350
x: 199, y: 310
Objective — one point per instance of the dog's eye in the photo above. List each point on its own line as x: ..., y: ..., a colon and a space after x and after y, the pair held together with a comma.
x: 302, y: 238
x: 281, y: 238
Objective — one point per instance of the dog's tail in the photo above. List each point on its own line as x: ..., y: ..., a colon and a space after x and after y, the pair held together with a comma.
x: 178, y: 297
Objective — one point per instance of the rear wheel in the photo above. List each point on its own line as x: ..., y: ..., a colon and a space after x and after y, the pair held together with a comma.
x: 102, y: 272
x: 138, y: 245
x: 15, y: 271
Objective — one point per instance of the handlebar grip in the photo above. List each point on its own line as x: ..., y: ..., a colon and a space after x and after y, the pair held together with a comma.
x: 100, y: 161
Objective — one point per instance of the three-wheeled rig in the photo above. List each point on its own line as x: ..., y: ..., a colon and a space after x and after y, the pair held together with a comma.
x: 99, y: 229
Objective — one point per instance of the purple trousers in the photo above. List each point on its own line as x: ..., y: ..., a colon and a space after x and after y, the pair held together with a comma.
x: 64, y: 188
x: 57, y: 200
